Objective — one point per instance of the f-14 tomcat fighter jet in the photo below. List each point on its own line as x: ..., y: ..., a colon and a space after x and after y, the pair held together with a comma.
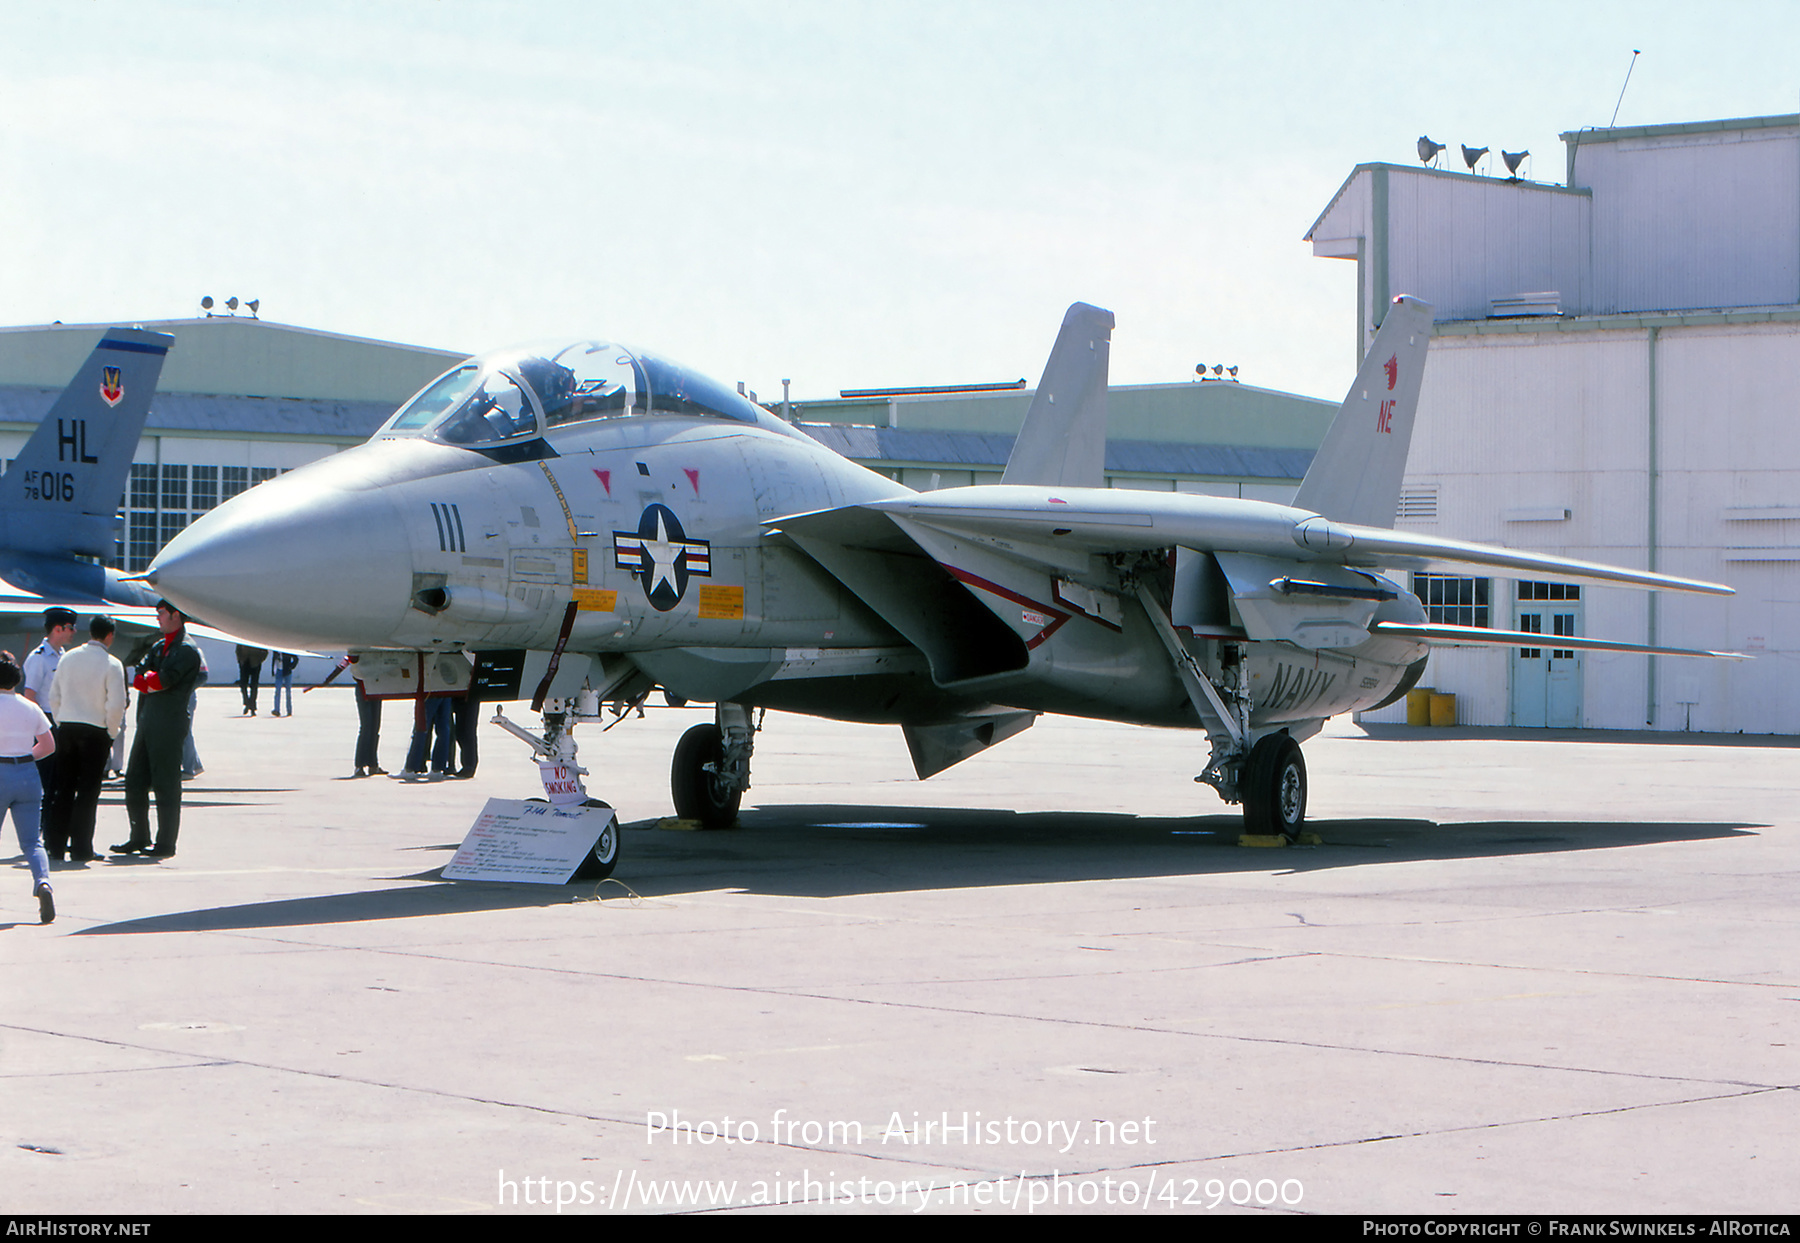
x: 591, y: 521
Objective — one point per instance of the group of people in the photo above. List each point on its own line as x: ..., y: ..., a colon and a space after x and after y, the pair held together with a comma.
x: 62, y: 717
x: 59, y: 716
x: 444, y: 733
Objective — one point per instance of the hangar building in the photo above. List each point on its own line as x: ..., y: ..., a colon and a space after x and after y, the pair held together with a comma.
x: 1613, y: 377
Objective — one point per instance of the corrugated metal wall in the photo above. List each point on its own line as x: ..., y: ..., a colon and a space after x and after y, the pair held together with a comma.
x: 1532, y: 421
x: 1701, y: 221
x: 1470, y: 240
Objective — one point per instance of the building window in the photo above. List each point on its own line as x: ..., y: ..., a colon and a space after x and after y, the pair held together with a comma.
x: 143, y: 486
x: 1562, y: 625
x: 1549, y: 591
x: 232, y: 480
x: 1453, y: 601
x: 203, y: 490
x: 174, y: 488
x: 141, y: 543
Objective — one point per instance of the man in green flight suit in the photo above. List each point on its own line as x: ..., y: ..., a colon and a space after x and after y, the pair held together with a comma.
x: 167, y: 675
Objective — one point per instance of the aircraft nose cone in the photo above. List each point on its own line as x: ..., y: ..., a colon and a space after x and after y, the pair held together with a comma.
x: 293, y: 563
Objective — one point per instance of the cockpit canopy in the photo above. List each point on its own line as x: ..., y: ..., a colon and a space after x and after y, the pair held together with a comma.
x: 515, y: 394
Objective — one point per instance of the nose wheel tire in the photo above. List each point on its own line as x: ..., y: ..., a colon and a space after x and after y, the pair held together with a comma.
x: 701, y: 794
x: 604, y: 857
x: 1275, y: 787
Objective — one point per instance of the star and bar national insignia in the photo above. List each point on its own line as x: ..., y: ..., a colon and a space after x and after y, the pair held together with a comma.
x: 661, y: 556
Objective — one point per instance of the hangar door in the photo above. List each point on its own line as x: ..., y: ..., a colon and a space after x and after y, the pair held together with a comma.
x: 1546, y: 681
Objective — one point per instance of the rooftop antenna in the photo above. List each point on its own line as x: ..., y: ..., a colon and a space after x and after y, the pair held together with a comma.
x: 1615, y: 116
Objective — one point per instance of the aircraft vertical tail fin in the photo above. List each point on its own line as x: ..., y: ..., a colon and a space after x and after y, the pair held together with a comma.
x: 61, y: 494
x: 1063, y: 440
x: 1356, y: 474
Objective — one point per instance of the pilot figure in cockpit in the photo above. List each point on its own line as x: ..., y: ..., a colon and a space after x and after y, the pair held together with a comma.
x: 555, y: 387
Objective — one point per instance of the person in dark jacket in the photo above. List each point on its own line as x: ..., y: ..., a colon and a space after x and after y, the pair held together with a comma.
x: 166, y: 677
x: 250, y: 661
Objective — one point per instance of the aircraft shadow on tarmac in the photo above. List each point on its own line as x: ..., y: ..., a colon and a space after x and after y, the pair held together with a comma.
x: 835, y: 851
x: 824, y: 851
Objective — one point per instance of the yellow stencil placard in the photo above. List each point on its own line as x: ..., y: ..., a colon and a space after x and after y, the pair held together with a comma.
x: 722, y: 603
x: 581, y: 566
x: 595, y: 600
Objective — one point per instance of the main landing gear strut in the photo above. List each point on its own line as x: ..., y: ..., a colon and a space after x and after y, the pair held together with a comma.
x: 1267, y: 775
x: 711, y: 770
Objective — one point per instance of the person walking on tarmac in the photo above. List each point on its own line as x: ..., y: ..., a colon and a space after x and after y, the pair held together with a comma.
x: 39, y: 670
x: 250, y: 661
x: 25, y: 738
x: 166, y: 678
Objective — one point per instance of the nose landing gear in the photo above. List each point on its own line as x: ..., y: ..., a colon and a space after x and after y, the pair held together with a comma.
x: 561, y: 775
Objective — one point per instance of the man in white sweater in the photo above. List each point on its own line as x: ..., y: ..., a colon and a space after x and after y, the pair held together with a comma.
x: 87, y: 700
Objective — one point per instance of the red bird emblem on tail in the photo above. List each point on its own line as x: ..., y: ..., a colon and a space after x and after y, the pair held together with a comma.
x: 1392, y: 367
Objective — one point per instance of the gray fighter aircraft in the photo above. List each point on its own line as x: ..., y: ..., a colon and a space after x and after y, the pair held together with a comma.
x: 590, y: 521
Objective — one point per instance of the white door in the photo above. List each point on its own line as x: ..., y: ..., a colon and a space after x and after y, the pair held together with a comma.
x: 1546, y: 681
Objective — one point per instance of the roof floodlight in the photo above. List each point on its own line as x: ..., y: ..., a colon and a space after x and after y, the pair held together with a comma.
x: 1428, y: 150
x: 1513, y: 160
x: 1472, y: 155
x: 232, y: 303
x: 253, y: 304
x: 206, y: 304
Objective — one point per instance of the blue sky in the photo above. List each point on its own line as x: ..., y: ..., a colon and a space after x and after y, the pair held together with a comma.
x: 843, y: 193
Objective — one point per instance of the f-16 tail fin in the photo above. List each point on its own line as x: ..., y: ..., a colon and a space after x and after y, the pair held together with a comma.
x: 1356, y: 475
x: 1063, y: 441
x: 61, y: 494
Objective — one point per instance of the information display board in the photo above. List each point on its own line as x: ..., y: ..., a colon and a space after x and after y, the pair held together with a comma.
x: 530, y: 842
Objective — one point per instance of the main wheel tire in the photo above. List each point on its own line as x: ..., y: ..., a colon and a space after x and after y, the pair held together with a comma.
x: 1275, y: 787
x: 700, y: 795
x: 604, y: 857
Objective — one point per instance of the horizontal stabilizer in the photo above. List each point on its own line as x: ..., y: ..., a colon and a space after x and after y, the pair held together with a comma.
x: 1480, y: 636
x: 1378, y: 546
x: 1063, y: 440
